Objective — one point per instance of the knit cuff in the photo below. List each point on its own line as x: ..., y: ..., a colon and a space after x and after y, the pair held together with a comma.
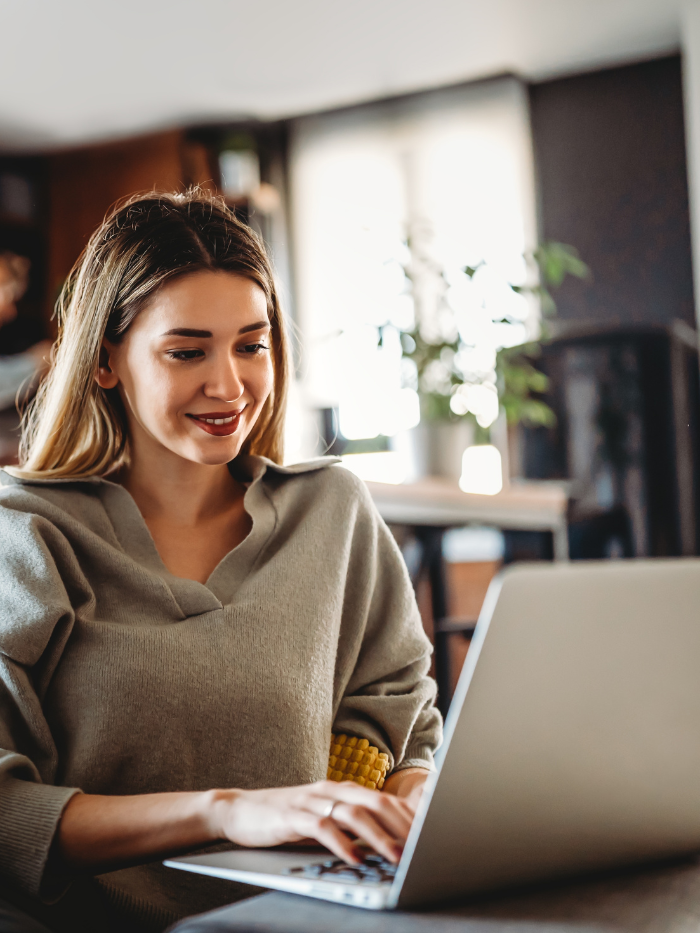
x: 30, y: 816
x: 416, y: 756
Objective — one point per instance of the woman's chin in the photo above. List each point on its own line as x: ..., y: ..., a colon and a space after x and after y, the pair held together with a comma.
x: 222, y: 451
x: 225, y: 454
x: 200, y: 447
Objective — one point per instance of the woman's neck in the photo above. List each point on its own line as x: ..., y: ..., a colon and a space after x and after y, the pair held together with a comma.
x: 194, y: 512
x: 184, y: 494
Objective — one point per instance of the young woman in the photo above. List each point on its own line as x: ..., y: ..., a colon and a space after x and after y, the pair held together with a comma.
x: 184, y: 621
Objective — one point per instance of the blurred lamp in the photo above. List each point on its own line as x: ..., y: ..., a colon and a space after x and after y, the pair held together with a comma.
x: 481, y: 470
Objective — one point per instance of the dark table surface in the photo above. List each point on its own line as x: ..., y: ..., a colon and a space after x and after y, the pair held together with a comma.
x: 663, y: 899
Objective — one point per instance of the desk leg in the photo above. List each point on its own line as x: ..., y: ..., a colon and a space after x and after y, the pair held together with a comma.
x: 433, y: 564
x: 560, y: 536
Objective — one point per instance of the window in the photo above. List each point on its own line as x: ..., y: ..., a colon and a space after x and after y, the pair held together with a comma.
x: 451, y: 171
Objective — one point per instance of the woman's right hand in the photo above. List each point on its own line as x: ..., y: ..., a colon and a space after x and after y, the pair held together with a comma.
x: 103, y: 833
x: 274, y: 816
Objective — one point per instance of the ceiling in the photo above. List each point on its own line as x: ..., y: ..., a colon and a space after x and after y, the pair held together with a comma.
x: 82, y: 70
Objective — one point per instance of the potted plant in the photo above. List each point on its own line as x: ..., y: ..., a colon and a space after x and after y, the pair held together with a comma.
x: 467, y: 384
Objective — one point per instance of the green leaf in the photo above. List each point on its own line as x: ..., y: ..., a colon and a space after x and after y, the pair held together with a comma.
x: 519, y: 381
x: 472, y: 270
x: 556, y: 261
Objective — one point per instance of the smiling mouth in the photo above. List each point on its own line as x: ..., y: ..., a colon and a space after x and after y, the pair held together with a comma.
x: 214, y: 420
x: 218, y: 423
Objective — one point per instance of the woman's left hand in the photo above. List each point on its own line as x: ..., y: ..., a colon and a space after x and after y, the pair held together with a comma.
x: 408, y: 785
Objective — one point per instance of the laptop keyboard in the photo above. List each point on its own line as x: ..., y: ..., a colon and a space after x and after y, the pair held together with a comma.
x: 374, y: 870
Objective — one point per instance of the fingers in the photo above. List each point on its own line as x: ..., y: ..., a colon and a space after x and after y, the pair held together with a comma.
x: 275, y: 815
x: 363, y: 823
x: 326, y: 831
x: 332, y: 837
x: 393, y: 813
x: 381, y: 821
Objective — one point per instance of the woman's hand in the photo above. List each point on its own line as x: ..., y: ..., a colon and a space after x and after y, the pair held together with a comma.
x: 290, y: 814
x: 101, y: 834
x: 408, y: 786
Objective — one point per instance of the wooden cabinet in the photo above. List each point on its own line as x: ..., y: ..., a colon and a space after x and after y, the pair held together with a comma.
x: 72, y: 190
x: 85, y: 183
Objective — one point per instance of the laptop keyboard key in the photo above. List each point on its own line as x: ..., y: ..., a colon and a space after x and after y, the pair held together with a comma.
x: 373, y: 870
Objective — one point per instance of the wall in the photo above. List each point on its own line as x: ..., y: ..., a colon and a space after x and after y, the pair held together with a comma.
x: 23, y: 230
x: 84, y: 183
x: 611, y: 168
x: 610, y: 156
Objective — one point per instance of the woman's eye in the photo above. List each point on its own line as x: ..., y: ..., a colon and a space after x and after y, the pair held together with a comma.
x: 254, y: 347
x: 185, y: 355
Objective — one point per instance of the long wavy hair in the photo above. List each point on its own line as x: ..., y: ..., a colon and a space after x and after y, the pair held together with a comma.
x: 75, y: 428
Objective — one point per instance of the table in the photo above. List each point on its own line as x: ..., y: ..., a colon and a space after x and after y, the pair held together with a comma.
x: 657, y: 900
x: 433, y: 504
x: 437, y: 502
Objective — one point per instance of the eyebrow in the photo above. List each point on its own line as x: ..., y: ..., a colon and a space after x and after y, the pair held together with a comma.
x: 191, y: 332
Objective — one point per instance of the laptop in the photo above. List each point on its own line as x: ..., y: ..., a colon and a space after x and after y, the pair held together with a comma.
x: 572, y: 745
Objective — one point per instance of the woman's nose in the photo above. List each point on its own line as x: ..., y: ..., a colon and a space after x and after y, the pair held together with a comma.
x: 225, y: 384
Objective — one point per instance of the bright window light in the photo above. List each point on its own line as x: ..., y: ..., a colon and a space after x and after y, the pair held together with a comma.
x: 480, y: 399
x: 473, y: 545
x: 481, y: 470
x: 452, y: 170
x: 387, y: 466
x: 240, y: 172
x: 364, y: 414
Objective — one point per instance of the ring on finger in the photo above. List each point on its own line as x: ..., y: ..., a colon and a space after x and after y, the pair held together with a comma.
x: 328, y: 811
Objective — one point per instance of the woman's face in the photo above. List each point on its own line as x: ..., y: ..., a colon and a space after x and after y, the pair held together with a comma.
x: 195, y: 367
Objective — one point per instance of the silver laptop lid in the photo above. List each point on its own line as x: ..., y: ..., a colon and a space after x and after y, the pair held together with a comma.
x: 573, y: 741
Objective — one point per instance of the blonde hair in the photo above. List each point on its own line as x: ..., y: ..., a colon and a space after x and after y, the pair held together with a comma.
x: 75, y: 428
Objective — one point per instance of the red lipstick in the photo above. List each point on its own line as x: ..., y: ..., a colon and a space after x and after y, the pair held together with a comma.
x: 227, y: 422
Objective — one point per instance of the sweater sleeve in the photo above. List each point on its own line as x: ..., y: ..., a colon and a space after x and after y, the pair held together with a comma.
x: 36, y: 618
x: 387, y: 695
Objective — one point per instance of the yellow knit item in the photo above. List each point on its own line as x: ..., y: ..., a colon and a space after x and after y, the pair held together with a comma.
x: 353, y: 759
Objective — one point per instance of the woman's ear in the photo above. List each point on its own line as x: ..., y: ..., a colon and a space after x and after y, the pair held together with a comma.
x: 105, y: 378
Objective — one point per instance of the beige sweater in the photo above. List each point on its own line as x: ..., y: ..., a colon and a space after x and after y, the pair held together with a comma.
x: 117, y: 677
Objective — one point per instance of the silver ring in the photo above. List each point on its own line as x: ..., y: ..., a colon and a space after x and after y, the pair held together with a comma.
x: 328, y: 812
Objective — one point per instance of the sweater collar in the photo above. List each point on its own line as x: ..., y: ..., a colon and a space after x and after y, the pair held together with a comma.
x: 246, y: 468
x: 250, y: 467
x: 135, y: 540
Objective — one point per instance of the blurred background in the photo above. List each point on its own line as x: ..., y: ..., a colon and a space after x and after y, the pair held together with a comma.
x: 483, y: 219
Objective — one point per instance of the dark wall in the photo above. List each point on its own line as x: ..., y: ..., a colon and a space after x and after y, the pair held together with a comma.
x: 23, y: 221
x: 610, y: 157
